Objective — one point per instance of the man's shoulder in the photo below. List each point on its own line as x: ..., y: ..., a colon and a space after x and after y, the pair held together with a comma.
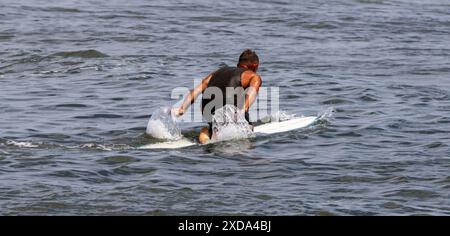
x: 249, y: 74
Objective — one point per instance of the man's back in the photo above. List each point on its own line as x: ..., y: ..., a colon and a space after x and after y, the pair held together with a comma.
x: 225, y: 77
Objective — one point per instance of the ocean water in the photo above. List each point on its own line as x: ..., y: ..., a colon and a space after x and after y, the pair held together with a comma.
x: 80, y: 79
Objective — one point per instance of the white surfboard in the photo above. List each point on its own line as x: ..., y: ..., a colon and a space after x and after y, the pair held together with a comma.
x: 263, y: 129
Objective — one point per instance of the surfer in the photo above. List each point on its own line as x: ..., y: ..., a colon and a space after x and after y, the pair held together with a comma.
x: 238, y: 86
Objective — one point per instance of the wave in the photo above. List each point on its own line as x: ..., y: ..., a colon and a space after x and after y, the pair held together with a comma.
x: 82, y: 53
x: 63, y: 9
x: 109, y: 116
x: 71, y: 105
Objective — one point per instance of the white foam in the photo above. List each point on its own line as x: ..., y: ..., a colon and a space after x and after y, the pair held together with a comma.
x: 96, y: 146
x: 21, y: 144
x: 104, y: 147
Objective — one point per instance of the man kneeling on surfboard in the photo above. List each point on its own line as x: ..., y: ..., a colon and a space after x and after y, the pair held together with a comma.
x: 235, y: 85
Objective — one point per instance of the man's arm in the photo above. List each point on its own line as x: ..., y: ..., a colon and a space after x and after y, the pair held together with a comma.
x: 192, y: 95
x: 252, y: 91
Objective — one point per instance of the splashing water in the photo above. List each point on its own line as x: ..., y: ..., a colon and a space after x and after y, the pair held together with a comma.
x: 282, y: 116
x: 162, y: 125
x: 277, y: 117
x: 229, y: 123
x: 327, y: 114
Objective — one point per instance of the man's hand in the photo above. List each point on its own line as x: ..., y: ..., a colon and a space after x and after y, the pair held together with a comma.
x: 178, y: 111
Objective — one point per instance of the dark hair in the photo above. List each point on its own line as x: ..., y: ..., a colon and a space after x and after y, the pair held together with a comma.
x: 248, y: 57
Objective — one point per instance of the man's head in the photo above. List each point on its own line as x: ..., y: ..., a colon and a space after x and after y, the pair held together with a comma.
x: 249, y: 60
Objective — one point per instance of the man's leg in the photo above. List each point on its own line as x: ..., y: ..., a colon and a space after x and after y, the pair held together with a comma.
x: 204, y: 135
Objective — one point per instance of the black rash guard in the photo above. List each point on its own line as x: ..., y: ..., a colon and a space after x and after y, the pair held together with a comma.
x: 221, y: 79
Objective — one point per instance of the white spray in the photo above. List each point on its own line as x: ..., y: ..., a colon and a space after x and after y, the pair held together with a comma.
x: 162, y: 125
